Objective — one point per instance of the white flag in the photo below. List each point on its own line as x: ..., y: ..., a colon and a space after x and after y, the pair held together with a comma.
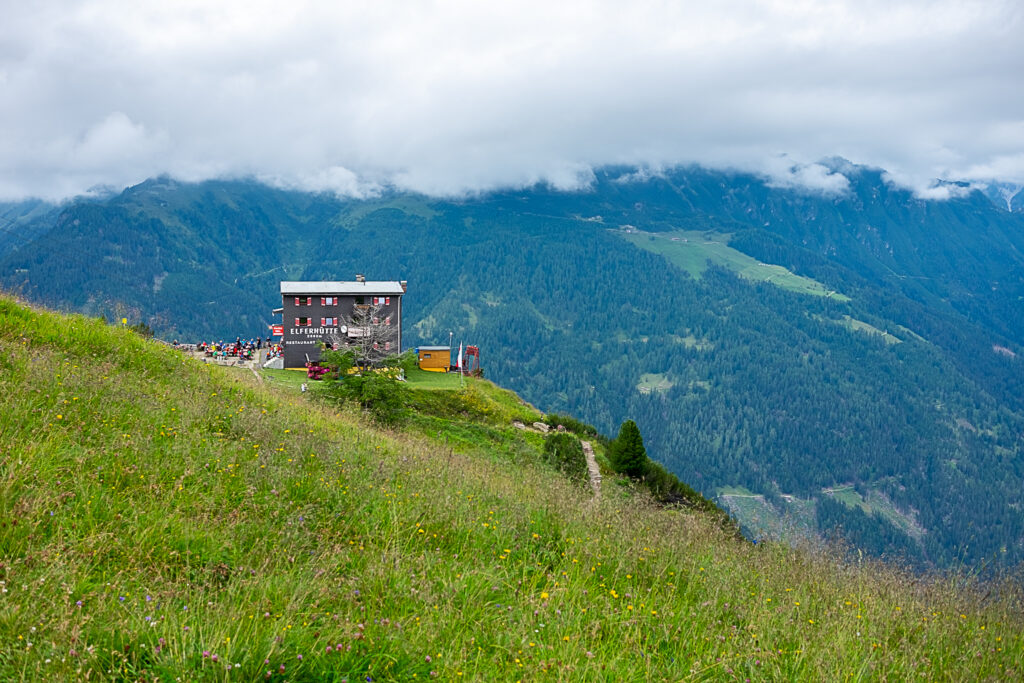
x: 459, y: 365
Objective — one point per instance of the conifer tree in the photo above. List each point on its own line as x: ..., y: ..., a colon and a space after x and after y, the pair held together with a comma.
x: 629, y: 456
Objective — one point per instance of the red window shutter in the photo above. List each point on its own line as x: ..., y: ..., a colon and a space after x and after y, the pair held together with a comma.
x: 297, y: 301
x: 323, y: 301
x: 297, y: 323
x: 387, y: 301
x: 323, y: 322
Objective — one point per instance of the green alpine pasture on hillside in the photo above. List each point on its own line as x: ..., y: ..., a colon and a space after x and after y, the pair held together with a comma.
x: 161, y: 519
x: 692, y: 250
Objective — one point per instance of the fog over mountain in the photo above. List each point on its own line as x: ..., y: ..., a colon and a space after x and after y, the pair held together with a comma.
x: 452, y: 97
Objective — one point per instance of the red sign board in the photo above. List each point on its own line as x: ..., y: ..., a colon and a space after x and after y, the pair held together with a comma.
x: 277, y: 330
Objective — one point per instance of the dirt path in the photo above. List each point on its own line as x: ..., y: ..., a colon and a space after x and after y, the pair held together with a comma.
x: 592, y: 469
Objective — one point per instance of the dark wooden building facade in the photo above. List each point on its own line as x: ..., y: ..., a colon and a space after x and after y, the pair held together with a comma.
x: 314, y: 312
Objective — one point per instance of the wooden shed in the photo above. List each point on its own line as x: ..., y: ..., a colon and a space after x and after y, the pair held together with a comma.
x: 434, y: 358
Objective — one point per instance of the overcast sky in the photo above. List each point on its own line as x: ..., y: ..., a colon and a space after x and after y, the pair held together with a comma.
x: 447, y: 97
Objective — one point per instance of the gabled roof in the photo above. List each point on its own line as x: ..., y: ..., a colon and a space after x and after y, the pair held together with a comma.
x: 341, y: 288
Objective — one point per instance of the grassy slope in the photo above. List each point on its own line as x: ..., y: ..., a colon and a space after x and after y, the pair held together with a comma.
x: 691, y: 250
x: 163, y: 519
x: 422, y: 379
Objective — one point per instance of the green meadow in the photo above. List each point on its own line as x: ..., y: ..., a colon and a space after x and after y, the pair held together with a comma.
x: 421, y: 379
x: 693, y: 250
x: 162, y: 519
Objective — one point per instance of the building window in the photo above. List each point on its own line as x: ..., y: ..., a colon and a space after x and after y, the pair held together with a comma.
x: 426, y: 355
x: 328, y: 301
x: 359, y: 301
x: 303, y: 322
x: 303, y: 300
x: 382, y: 301
x: 387, y: 346
x: 328, y: 322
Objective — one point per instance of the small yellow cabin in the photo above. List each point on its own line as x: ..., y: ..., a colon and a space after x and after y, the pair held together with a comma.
x: 434, y: 358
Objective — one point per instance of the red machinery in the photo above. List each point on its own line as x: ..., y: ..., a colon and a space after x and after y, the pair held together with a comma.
x: 471, y: 360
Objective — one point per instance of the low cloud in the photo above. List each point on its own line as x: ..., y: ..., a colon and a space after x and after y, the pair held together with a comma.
x: 640, y: 175
x: 1005, y: 167
x: 808, y: 177
x: 459, y: 97
x: 937, y: 190
x: 335, y: 180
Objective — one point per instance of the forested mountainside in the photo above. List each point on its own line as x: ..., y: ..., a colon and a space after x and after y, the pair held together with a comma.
x: 844, y: 363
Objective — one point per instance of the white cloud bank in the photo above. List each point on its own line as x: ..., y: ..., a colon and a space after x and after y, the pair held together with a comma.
x: 447, y: 97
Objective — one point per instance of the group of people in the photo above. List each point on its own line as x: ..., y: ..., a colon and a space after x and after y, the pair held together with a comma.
x: 248, y: 349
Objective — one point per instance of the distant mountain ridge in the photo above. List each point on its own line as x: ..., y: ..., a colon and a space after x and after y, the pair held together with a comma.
x: 1007, y: 195
x: 910, y: 393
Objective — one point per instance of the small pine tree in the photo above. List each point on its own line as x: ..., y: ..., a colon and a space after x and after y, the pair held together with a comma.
x: 629, y: 456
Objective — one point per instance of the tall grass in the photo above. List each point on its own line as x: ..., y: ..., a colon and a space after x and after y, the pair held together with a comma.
x: 160, y: 519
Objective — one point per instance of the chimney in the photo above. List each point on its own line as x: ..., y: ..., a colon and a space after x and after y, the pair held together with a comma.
x: 360, y: 278
x: 405, y: 285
